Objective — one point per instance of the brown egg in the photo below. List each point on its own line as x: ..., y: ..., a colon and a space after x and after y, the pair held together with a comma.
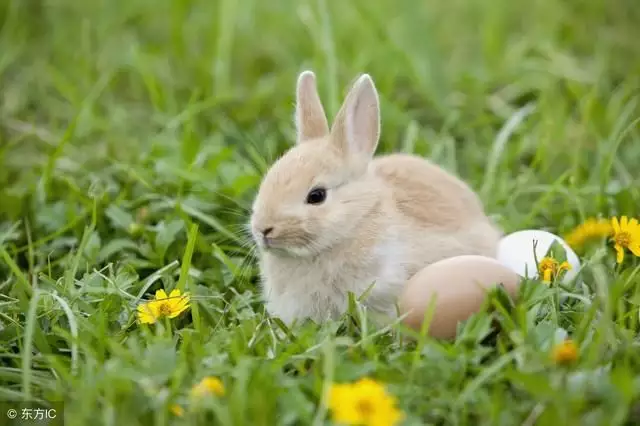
x: 459, y: 285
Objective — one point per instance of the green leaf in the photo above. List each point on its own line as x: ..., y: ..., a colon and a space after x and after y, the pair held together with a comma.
x: 536, y: 384
x: 557, y: 251
x: 116, y: 246
x: 166, y: 233
x: 119, y: 218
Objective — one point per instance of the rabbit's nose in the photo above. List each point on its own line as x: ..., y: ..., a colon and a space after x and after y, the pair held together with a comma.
x: 267, y: 231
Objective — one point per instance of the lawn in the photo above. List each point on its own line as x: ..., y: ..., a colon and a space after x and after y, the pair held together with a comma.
x: 133, y: 137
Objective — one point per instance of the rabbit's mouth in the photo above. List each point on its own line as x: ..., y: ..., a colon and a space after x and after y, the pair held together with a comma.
x: 270, y: 243
x: 278, y: 247
x: 288, y: 248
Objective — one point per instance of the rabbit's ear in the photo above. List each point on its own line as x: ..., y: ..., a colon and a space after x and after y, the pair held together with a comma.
x: 311, y: 121
x: 357, y: 125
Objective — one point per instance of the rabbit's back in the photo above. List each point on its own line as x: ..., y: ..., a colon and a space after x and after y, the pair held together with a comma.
x: 427, y: 194
x: 441, y: 215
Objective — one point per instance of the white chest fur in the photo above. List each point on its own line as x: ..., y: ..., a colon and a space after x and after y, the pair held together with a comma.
x: 297, y: 288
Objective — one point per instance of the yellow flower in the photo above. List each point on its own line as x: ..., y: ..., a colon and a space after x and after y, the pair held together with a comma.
x: 208, y: 386
x: 163, y: 306
x: 177, y: 410
x: 549, y: 267
x: 364, y: 402
x: 565, y: 352
x: 591, y: 228
x: 626, y: 235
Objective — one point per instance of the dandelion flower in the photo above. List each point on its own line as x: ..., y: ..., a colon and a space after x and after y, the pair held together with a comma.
x: 364, y: 402
x: 549, y: 267
x: 208, y: 386
x: 163, y: 306
x: 626, y: 235
x: 177, y: 410
x: 591, y: 228
x: 565, y: 352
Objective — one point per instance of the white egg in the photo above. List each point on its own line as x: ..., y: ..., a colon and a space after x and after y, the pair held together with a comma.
x: 516, y: 251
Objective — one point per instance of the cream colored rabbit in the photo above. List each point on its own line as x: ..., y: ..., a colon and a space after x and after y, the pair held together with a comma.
x: 330, y: 219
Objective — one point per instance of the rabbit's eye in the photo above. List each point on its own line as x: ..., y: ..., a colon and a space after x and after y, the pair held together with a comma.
x: 316, y: 196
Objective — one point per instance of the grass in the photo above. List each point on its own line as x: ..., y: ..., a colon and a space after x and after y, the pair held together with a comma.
x: 133, y: 135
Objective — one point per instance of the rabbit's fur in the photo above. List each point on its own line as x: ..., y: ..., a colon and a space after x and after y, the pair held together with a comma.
x: 383, y: 218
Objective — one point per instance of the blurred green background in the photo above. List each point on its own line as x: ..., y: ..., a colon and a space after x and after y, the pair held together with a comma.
x: 113, y: 78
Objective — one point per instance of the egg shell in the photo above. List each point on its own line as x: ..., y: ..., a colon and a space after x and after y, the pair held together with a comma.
x: 459, y: 285
x: 515, y: 251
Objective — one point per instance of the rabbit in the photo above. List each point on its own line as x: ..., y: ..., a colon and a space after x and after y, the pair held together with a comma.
x: 329, y: 218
